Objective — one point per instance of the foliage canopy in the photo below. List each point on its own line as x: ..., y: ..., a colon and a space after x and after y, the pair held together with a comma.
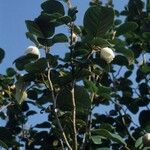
x: 69, y: 90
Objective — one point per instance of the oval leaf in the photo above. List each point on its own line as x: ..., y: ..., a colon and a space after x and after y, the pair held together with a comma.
x: 53, y: 6
x: 104, y: 133
x: 98, y: 20
x: 126, y: 27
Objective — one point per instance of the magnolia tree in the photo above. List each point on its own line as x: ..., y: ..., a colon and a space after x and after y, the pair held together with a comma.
x: 94, y: 97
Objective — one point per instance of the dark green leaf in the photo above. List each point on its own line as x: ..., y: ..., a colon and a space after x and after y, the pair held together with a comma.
x: 146, y: 36
x: 23, y: 60
x: 36, y: 67
x: 2, y: 54
x: 138, y: 142
x: 120, y: 60
x: 107, y: 134
x: 145, y: 69
x: 31, y: 113
x: 4, y: 145
x: 90, y: 86
x: 59, y: 38
x: 126, y: 27
x: 144, y: 118
x: 53, y: 6
x: 43, y: 125
x: 72, y: 13
x: 33, y: 38
x: 100, y: 42
x: 83, y: 103
x: 98, y: 20
x: 64, y: 20
x: 20, y: 94
x: 45, y: 42
x: 52, y: 60
x: 104, y: 92
x: 10, y: 72
x: 34, y: 28
x: 127, y: 53
x: 96, y: 139
x: 46, y: 25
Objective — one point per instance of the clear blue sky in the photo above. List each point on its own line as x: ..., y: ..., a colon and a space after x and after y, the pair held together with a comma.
x: 13, y: 14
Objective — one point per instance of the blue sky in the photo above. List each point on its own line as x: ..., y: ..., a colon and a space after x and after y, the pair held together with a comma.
x: 12, y: 25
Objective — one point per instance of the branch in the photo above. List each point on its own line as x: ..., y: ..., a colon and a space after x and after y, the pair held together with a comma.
x: 120, y: 113
x: 54, y: 98
x: 3, y: 108
x: 74, y: 118
x: 55, y: 112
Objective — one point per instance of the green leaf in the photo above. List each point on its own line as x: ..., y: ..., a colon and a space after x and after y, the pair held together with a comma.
x: 126, y: 27
x: 100, y: 42
x: 30, y: 113
x: 4, y: 145
x: 52, y: 60
x: 59, y: 38
x: 107, y: 134
x: 90, y: 86
x: 72, y: 13
x: 2, y: 54
x: 138, y: 142
x: 53, y: 6
x: 64, y: 20
x: 127, y: 53
x: 20, y: 94
x: 96, y: 139
x: 104, y: 92
x: 107, y: 127
x: 23, y: 60
x: 146, y: 36
x: 46, y: 25
x: 10, y: 72
x: 120, y: 60
x: 33, y: 28
x: 43, y: 125
x: 98, y: 20
x: 33, y: 38
x: 45, y: 42
x: 36, y: 67
x: 145, y: 69
x: 64, y: 101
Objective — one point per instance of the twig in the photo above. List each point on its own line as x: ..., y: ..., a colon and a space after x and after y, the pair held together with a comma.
x: 89, y: 119
x: 3, y: 108
x: 75, y: 142
x: 54, y: 98
x: 74, y: 118
x: 123, y: 121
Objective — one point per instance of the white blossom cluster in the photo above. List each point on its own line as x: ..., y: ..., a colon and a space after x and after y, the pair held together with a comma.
x: 106, y: 53
x: 146, y: 139
x: 32, y: 50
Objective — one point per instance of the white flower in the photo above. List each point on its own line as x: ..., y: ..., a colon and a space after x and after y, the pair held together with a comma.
x: 146, y: 139
x: 107, y: 54
x: 32, y: 50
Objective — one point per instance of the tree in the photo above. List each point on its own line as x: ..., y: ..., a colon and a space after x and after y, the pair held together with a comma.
x: 67, y: 90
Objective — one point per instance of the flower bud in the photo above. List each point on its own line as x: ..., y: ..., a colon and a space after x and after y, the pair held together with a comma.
x: 74, y: 38
x: 146, y: 139
x: 107, y: 54
x: 32, y: 50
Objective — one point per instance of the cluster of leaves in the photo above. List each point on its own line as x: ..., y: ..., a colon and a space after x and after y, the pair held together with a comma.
x: 48, y: 82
